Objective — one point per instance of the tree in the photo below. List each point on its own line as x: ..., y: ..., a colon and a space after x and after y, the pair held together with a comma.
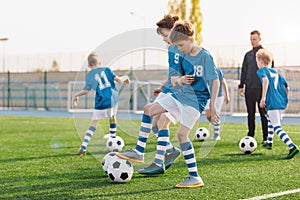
x: 55, y: 66
x: 196, y: 18
x: 179, y: 7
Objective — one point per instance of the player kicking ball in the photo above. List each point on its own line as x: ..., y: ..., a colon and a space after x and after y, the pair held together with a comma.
x: 186, y: 104
x: 274, y: 99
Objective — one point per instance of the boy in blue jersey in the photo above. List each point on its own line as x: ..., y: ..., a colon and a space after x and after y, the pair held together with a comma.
x: 218, y: 104
x: 274, y: 99
x: 101, y: 80
x: 186, y: 103
x: 160, y: 123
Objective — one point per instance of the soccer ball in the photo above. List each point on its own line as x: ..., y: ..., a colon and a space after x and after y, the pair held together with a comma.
x: 119, y: 170
x: 106, y: 160
x: 115, y: 144
x: 247, y: 144
x: 202, y: 134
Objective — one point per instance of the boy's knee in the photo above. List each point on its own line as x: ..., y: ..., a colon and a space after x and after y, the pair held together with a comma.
x: 147, y: 109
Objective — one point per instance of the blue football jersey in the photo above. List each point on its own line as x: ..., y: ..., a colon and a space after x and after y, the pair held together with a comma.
x: 221, y: 77
x: 174, y: 61
x: 276, y: 98
x: 101, y: 80
x: 203, y: 68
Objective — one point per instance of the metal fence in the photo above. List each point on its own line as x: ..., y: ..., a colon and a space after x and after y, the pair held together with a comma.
x: 53, y: 91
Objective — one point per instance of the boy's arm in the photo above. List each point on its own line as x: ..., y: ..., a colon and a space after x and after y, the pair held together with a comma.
x: 225, y: 86
x: 122, y: 79
x: 159, y: 89
x: 265, y: 85
x: 213, y: 96
x: 287, y: 90
x: 78, y: 94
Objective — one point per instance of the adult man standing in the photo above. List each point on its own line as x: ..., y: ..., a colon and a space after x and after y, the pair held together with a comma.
x: 253, y: 88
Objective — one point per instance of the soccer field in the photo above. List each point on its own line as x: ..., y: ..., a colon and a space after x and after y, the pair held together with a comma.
x: 39, y: 161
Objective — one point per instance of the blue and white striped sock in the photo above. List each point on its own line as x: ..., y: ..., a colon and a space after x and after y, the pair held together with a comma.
x: 145, y: 129
x: 162, y: 142
x: 189, y: 157
x: 217, y: 127
x: 170, y: 147
x: 284, y: 136
x: 155, y: 130
x: 113, y: 129
x: 270, y: 131
x: 88, y: 135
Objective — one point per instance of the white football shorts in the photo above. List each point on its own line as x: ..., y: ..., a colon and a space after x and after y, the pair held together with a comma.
x: 161, y: 95
x: 104, y: 114
x: 275, y: 116
x: 182, y: 113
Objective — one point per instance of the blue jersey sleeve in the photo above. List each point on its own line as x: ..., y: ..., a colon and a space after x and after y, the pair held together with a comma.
x: 261, y: 73
x: 210, y: 68
x: 88, y: 82
x: 110, y: 74
x: 220, y: 74
x: 283, y: 81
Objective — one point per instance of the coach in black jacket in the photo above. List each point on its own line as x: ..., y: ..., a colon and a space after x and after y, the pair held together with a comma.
x: 253, y: 89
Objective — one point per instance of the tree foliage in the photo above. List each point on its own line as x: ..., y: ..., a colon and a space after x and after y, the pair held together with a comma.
x: 179, y: 7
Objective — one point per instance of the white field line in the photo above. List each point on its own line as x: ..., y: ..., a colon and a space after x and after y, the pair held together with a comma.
x: 266, y: 196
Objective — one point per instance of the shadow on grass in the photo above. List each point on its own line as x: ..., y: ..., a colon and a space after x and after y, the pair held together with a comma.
x: 232, y: 158
x: 35, y: 158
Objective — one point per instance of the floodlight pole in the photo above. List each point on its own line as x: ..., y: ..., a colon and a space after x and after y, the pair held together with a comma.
x: 3, y: 52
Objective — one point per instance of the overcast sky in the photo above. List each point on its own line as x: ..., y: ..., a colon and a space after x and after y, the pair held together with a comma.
x: 35, y: 26
x: 64, y: 26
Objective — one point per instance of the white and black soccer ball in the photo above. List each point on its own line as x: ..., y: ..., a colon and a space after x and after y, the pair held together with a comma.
x: 115, y: 144
x: 202, y: 134
x: 119, y: 170
x: 106, y: 160
x: 247, y: 144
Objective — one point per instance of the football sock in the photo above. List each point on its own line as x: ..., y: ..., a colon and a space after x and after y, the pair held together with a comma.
x: 270, y: 132
x: 113, y: 129
x: 155, y: 130
x: 170, y: 147
x: 88, y: 135
x: 284, y: 136
x: 145, y: 129
x: 189, y: 157
x: 217, y: 127
x: 162, y: 142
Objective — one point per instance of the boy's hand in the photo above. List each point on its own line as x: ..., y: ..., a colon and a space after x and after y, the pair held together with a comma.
x: 156, y: 91
x: 262, y: 103
x: 125, y: 80
x: 215, y: 118
x: 174, y: 80
x: 187, y: 79
x: 75, y: 101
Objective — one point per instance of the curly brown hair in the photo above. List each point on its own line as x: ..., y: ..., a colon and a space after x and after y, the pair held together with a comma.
x: 167, y: 22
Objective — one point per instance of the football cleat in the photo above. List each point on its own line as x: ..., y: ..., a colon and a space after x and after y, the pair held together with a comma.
x: 216, y: 137
x: 81, y: 152
x: 153, y: 169
x: 131, y: 155
x: 293, y: 151
x: 267, y: 146
x: 171, y: 157
x: 191, y: 182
